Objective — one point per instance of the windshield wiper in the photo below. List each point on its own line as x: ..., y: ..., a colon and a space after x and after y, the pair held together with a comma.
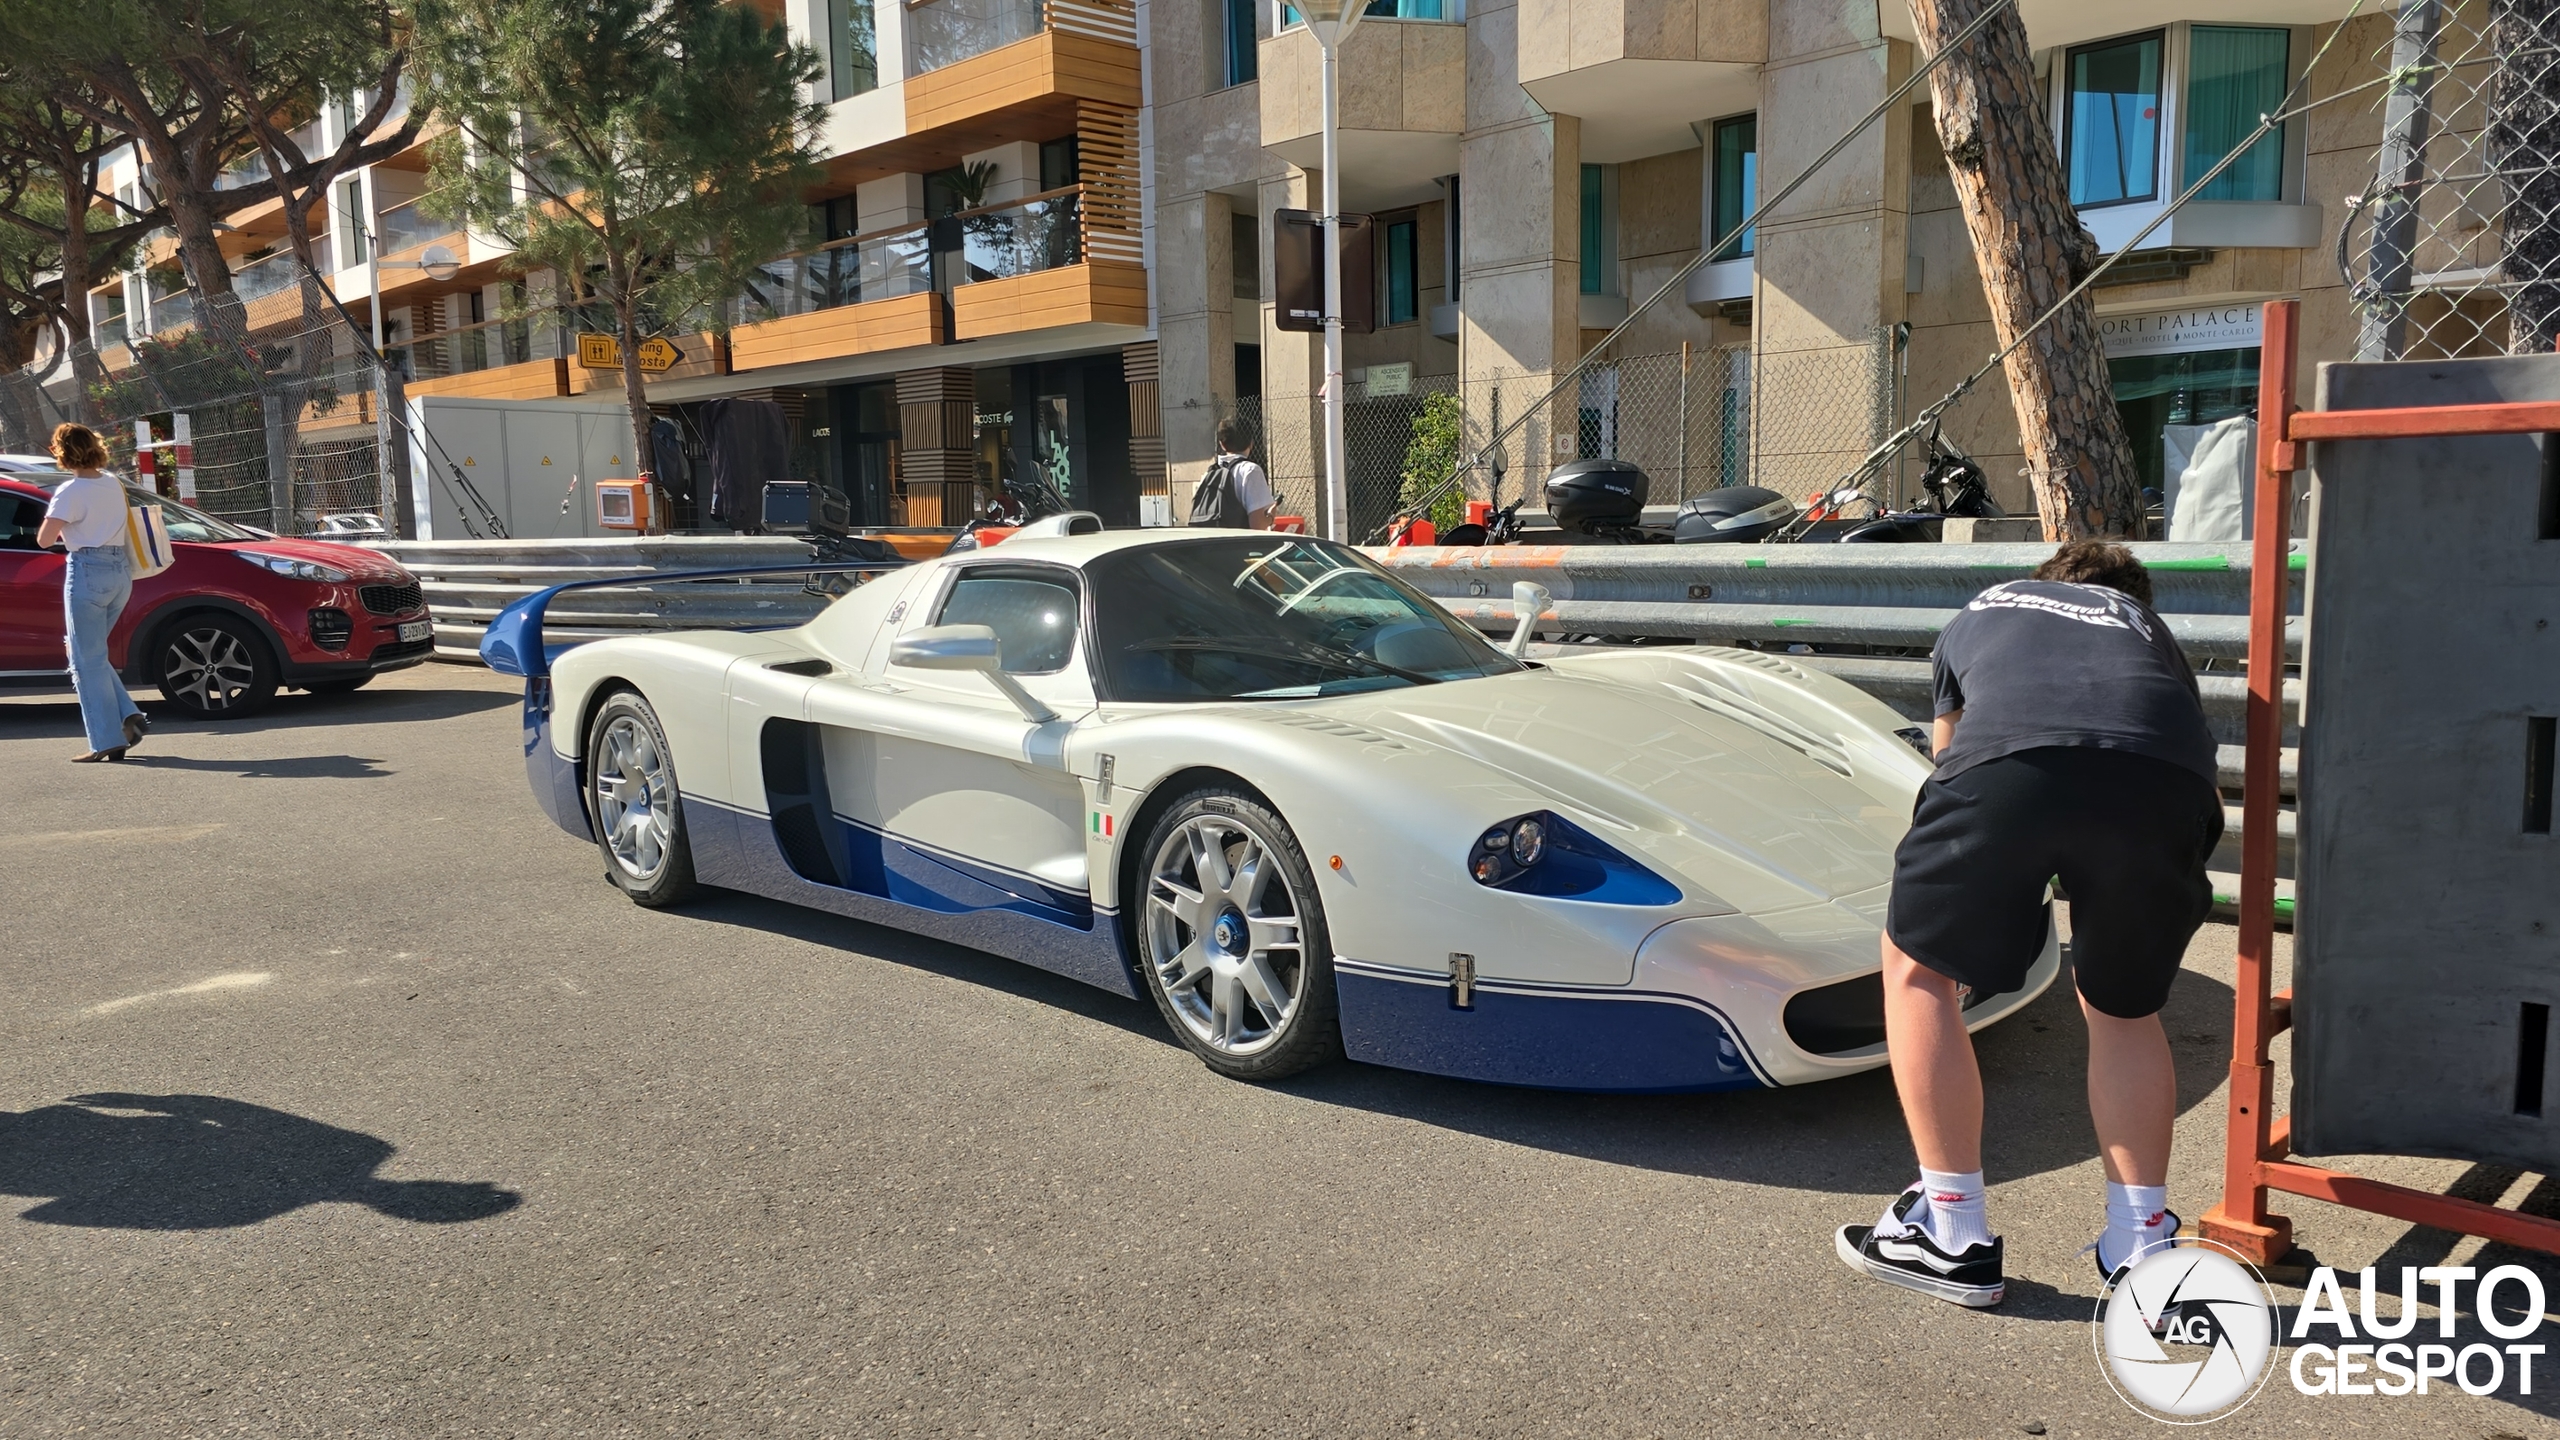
x: 1291, y: 650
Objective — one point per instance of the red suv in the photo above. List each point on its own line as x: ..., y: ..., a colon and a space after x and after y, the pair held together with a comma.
x: 237, y: 616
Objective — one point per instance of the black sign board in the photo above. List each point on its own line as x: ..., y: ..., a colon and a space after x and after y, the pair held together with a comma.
x: 1297, y: 269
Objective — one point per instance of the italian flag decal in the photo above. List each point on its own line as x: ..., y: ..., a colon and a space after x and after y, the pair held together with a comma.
x: 1102, y: 823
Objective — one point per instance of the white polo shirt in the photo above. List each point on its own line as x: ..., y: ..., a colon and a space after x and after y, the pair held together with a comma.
x: 91, y: 509
x: 1252, y: 486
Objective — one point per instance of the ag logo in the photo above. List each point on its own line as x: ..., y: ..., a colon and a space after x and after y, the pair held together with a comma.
x: 2185, y: 1337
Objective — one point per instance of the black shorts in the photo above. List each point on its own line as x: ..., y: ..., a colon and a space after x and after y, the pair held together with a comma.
x: 2127, y: 835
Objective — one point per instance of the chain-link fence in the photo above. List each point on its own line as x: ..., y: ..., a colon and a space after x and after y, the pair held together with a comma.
x: 1693, y: 420
x: 267, y: 419
x: 2452, y: 247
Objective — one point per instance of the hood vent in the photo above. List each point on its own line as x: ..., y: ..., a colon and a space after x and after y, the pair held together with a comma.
x: 1327, y: 725
x: 1719, y: 698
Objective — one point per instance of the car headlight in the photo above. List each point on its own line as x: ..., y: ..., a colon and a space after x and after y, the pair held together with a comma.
x: 293, y: 568
x: 1545, y: 854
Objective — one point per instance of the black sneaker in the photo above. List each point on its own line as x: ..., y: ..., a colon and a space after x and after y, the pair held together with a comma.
x: 1913, y: 1261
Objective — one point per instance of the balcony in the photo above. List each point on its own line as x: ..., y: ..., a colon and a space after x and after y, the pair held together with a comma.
x: 108, y: 334
x: 1028, y: 266
x: 492, y: 360
x: 1404, y: 104
x: 849, y: 297
x: 1638, y: 71
x: 407, y: 227
x: 974, y: 60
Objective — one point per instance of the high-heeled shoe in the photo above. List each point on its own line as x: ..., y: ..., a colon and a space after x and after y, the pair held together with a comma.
x: 136, y: 725
x: 95, y: 756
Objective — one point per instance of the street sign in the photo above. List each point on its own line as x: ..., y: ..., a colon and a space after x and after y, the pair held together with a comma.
x: 1298, y: 272
x: 658, y: 354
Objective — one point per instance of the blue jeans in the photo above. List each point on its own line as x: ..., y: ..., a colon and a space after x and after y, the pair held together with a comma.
x: 95, y: 586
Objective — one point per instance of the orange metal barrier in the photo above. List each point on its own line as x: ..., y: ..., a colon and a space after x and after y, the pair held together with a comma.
x: 2257, y: 1142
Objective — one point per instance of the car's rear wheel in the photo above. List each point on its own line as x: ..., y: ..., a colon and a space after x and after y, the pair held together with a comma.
x: 214, y: 666
x: 1232, y: 937
x: 634, y: 803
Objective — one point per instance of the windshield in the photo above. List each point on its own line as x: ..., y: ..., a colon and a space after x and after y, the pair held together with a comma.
x: 1269, y: 618
x: 184, y: 522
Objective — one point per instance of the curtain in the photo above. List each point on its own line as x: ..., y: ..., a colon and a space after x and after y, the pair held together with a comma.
x: 2233, y: 76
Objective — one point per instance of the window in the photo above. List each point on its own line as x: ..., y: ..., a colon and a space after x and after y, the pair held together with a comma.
x: 2111, y: 120
x: 2235, y: 75
x: 1737, y: 181
x: 351, y: 246
x: 1244, y: 243
x: 1033, y: 613
x: 1388, y: 10
x: 1242, y: 61
x: 1401, y: 268
x: 1599, y: 229
x: 1058, y: 163
x: 853, y: 49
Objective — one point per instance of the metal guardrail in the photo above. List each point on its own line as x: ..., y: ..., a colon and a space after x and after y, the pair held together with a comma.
x: 468, y: 581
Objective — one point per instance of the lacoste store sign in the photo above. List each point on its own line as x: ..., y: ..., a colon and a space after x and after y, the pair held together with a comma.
x: 2165, y: 332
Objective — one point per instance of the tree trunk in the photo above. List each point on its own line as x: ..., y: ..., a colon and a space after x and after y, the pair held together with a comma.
x: 2400, y: 170
x: 79, y: 188
x: 2028, y: 243
x: 2524, y: 147
x: 626, y: 324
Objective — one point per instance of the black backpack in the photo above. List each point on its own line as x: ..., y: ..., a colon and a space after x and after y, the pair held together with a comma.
x: 1217, y: 502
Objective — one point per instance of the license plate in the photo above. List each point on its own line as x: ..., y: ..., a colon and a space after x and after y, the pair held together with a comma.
x: 416, y: 629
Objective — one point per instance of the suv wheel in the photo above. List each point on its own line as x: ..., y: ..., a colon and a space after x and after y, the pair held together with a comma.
x: 214, y: 666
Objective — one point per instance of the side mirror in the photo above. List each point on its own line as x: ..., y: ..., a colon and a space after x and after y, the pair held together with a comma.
x: 967, y: 647
x: 1528, y: 601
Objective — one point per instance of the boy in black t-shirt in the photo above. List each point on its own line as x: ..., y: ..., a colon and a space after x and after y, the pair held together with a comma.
x: 2071, y: 743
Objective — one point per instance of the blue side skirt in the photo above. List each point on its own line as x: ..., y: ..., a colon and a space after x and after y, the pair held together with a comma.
x: 1546, y: 1037
x: 736, y: 850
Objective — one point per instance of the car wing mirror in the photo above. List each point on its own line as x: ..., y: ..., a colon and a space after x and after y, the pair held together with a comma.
x: 967, y: 647
x: 1528, y: 601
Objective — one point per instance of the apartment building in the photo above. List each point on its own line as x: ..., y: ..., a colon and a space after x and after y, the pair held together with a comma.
x: 972, y: 302
x: 1536, y: 166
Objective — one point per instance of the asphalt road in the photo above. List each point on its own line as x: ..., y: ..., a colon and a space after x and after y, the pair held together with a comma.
x: 339, y: 1095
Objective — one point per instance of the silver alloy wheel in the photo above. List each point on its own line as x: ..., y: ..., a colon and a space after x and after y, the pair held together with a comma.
x: 1223, y: 934
x: 635, y: 798
x: 210, y: 667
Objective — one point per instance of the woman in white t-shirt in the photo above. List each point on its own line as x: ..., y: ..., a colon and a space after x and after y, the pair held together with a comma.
x: 87, y: 518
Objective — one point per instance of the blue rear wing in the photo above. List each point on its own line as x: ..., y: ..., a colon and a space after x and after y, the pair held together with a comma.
x: 513, y: 643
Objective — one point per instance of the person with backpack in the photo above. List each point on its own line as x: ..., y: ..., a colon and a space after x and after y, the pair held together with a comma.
x: 1234, y: 494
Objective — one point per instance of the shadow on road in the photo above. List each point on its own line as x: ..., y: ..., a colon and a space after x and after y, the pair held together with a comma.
x: 289, y: 767
x: 292, y: 711
x: 957, y: 962
x: 1844, y: 1136
x: 200, y: 1162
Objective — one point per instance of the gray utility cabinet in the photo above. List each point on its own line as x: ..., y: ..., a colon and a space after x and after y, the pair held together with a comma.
x: 2427, y: 947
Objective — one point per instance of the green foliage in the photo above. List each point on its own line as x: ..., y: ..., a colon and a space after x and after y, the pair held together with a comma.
x: 649, y: 151
x: 1438, y: 443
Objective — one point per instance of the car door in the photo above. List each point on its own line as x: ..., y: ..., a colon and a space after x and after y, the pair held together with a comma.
x: 30, y: 594
x: 949, y: 797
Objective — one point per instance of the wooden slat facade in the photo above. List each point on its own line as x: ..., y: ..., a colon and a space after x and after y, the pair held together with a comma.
x: 527, y: 380
x: 873, y: 325
x: 1094, y: 292
x: 1050, y: 66
x: 1139, y: 367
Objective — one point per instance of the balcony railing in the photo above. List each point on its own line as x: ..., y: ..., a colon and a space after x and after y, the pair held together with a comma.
x: 470, y: 348
x: 109, y: 333
x: 882, y: 265
x: 946, y: 32
x: 406, y: 226
x: 997, y: 242
x: 274, y: 274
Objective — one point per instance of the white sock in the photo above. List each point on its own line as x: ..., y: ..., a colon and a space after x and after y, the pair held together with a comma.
x: 1956, y: 1219
x: 2137, y: 1223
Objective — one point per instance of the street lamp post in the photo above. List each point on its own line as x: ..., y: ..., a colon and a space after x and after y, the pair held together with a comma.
x: 1330, y: 33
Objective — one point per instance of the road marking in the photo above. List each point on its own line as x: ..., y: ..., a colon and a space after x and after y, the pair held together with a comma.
x: 143, y: 835
x: 237, y: 980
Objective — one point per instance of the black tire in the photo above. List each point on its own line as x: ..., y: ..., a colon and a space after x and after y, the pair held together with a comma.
x: 634, y: 804
x: 213, y: 666
x: 340, y: 686
x: 1212, y: 967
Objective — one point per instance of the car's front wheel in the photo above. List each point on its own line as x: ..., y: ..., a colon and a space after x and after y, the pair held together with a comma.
x: 1232, y: 937
x: 214, y: 666
x: 634, y: 803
